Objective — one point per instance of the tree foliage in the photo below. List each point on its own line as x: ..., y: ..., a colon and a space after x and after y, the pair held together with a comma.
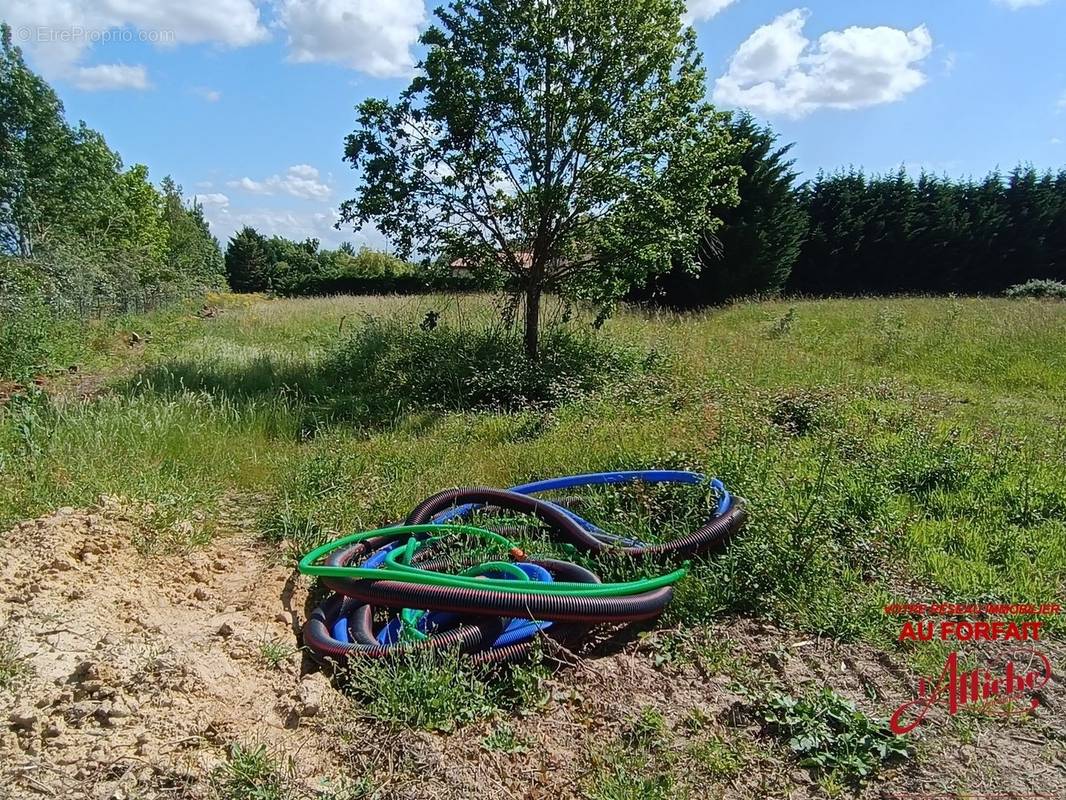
x: 248, y: 261
x: 759, y: 240
x: 255, y: 263
x: 885, y: 234
x: 91, y: 236
x: 564, y: 143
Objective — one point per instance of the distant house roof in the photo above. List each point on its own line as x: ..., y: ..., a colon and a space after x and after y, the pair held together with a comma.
x: 525, y: 258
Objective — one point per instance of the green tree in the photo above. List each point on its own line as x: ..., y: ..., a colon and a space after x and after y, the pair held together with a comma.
x: 193, y: 256
x: 295, y: 268
x: 566, y: 143
x: 34, y: 139
x: 759, y: 239
x: 135, y: 227
x: 248, y: 263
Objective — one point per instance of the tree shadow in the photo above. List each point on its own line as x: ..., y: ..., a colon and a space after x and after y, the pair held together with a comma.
x: 311, y: 396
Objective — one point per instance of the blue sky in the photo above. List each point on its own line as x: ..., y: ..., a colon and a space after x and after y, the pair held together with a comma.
x: 247, y: 104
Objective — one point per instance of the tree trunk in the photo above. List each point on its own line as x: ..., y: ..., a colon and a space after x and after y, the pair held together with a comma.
x: 532, y: 332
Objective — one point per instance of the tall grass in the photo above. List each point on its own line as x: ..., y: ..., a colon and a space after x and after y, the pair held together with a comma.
x: 887, y: 447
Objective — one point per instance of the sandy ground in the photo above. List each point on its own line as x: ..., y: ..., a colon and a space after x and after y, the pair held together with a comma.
x: 144, y: 670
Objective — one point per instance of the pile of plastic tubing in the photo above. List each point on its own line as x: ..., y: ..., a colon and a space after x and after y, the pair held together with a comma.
x: 395, y: 590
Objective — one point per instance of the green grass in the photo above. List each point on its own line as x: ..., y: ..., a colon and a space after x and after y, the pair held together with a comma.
x: 438, y: 691
x: 252, y: 772
x: 273, y: 652
x: 649, y: 760
x: 887, y: 447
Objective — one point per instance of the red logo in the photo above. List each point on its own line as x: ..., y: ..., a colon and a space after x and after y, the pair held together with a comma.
x: 1009, y: 693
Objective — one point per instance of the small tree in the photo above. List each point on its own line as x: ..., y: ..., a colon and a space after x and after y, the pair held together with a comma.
x: 565, y: 143
x: 248, y: 261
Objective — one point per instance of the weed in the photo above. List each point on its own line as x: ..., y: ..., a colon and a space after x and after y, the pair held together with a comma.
x: 1038, y: 288
x: 625, y: 780
x: 346, y: 789
x: 827, y: 731
x: 639, y: 764
x: 645, y: 731
x: 252, y: 773
x: 832, y: 784
x: 13, y: 668
x: 889, y: 328
x: 504, y: 740
x: 718, y: 758
x: 783, y: 324
x: 688, y: 647
x: 274, y: 652
x: 391, y: 367
x: 166, y: 526
x: 797, y: 412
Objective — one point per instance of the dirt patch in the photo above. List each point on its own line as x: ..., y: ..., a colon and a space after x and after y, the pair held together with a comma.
x: 562, y: 747
x: 142, y: 670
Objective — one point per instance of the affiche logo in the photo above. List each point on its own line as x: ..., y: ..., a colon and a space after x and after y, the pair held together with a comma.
x: 1012, y: 688
x: 1008, y: 693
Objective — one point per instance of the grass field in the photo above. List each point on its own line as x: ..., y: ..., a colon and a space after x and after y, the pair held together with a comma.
x: 890, y: 449
x: 877, y: 439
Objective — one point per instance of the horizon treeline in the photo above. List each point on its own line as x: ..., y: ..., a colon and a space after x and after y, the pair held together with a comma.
x: 849, y: 232
x: 892, y: 234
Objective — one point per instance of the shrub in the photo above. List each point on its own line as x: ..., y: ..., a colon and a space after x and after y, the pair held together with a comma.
x: 391, y: 367
x: 27, y: 324
x: 1038, y: 288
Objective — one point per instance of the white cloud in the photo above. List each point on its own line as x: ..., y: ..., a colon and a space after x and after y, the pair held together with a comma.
x: 1014, y: 5
x: 374, y: 36
x: 704, y: 9
x: 110, y: 76
x: 778, y: 71
x: 59, y: 33
x: 1055, y: 140
x: 210, y: 95
x: 1061, y: 104
x: 292, y: 224
x: 212, y: 199
x: 299, y: 180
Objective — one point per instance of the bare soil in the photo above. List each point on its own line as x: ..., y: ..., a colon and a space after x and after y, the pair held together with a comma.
x: 145, y: 669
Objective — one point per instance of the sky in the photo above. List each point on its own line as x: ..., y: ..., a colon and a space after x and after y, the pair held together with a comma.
x: 246, y: 104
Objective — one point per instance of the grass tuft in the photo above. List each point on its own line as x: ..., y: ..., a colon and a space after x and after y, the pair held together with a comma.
x: 13, y: 668
x: 439, y: 690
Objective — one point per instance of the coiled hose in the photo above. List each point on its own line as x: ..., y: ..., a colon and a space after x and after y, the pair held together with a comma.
x: 491, y: 610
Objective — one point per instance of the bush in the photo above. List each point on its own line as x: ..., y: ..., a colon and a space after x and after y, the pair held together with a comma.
x: 26, y: 323
x: 1038, y: 288
x: 390, y: 367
